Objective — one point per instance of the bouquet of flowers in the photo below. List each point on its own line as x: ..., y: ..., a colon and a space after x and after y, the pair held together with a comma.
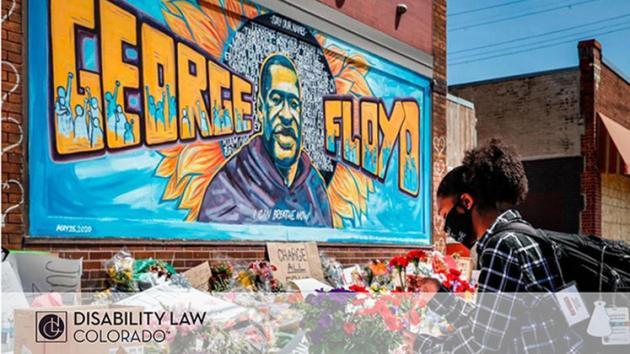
x: 376, y: 275
x: 444, y: 269
x: 221, y: 279
x: 181, y: 338
x: 399, y: 265
x: 332, y: 270
x: 151, y: 272
x: 197, y: 338
x: 416, y: 257
x: 357, y: 320
x: 259, y: 277
x: 119, y: 268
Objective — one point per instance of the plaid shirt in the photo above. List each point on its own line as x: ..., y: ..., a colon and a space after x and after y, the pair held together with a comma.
x: 507, y: 317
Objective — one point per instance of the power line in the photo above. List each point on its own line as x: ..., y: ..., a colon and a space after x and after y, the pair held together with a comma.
x: 503, y: 19
x: 537, y: 35
x: 485, y: 8
x: 570, y: 35
x: 534, y: 48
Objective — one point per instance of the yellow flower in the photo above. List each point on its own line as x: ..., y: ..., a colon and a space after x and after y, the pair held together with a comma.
x: 244, y: 279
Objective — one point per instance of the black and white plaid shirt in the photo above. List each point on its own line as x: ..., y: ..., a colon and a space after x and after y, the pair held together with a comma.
x: 508, y: 317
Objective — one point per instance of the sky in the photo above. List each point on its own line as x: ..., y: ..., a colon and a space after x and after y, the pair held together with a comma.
x: 525, y: 36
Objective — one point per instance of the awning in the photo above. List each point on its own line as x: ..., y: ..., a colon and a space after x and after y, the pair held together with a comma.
x: 614, y: 146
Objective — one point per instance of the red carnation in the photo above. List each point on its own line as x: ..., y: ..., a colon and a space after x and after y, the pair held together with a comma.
x: 416, y: 256
x: 399, y: 262
x: 349, y: 327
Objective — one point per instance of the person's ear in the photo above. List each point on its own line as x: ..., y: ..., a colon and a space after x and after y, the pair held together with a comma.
x: 467, y: 201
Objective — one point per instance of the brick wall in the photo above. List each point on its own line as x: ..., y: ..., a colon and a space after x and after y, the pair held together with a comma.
x: 12, y: 119
x: 605, y: 91
x: 613, y: 96
x: 616, y: 207
x: 519, y: 109
x: 438, y: 108
x: 183, y: 255
x: 413, y: 27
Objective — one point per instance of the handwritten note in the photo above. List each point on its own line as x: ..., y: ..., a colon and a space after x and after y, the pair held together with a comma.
x: 295, y: 261
x: 199, y: 276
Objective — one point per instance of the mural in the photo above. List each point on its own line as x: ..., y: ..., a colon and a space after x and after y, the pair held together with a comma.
x: 219, y: 119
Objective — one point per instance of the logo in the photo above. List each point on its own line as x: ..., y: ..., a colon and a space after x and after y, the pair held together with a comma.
x: 51, y: 327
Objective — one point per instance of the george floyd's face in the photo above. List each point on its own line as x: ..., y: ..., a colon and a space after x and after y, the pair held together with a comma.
x: 281, y: 111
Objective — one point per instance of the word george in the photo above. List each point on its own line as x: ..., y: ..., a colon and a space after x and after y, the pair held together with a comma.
x: 370, y: 145
x: 126, y: 82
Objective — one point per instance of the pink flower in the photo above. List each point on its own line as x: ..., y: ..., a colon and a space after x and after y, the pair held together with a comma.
x: 171, y: 334
x: 349, y: 327
x: 391, y: 322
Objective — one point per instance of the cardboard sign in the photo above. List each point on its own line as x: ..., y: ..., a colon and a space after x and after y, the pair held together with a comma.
x: 40, y: 273
x: 199, y: 276
x: 295, y: 261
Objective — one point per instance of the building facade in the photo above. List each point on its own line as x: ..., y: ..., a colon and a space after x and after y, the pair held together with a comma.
x: 124, y: 124
x: 461, y: 127
x: 569, y: 127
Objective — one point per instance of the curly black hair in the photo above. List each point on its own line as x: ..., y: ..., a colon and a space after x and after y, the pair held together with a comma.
x: 494, y: 175
x: 453, y: 183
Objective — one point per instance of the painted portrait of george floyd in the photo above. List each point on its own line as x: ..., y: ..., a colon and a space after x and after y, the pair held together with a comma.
x: 271, y: 172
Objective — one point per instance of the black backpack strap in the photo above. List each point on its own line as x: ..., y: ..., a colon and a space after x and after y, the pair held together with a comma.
x: 538, y: 235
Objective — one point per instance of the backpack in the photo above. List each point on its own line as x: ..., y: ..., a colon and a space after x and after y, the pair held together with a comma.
x: 595, y: 264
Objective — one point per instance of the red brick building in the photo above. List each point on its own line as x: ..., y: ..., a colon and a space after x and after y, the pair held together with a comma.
x: 382, y: 24
x: 572, y: 128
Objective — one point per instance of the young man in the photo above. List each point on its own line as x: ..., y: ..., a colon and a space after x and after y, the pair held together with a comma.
x: 476, y: 199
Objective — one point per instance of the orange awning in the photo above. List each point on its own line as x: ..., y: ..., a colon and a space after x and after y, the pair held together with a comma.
x: 614, y: 146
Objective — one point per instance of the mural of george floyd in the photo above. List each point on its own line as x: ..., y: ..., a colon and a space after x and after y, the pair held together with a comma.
x: 190, y: 130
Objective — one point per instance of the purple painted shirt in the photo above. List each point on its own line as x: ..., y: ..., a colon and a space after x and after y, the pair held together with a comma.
x: 250, y: 190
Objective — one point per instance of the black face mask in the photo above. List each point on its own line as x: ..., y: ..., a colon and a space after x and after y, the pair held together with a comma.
x: 460, y: 226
